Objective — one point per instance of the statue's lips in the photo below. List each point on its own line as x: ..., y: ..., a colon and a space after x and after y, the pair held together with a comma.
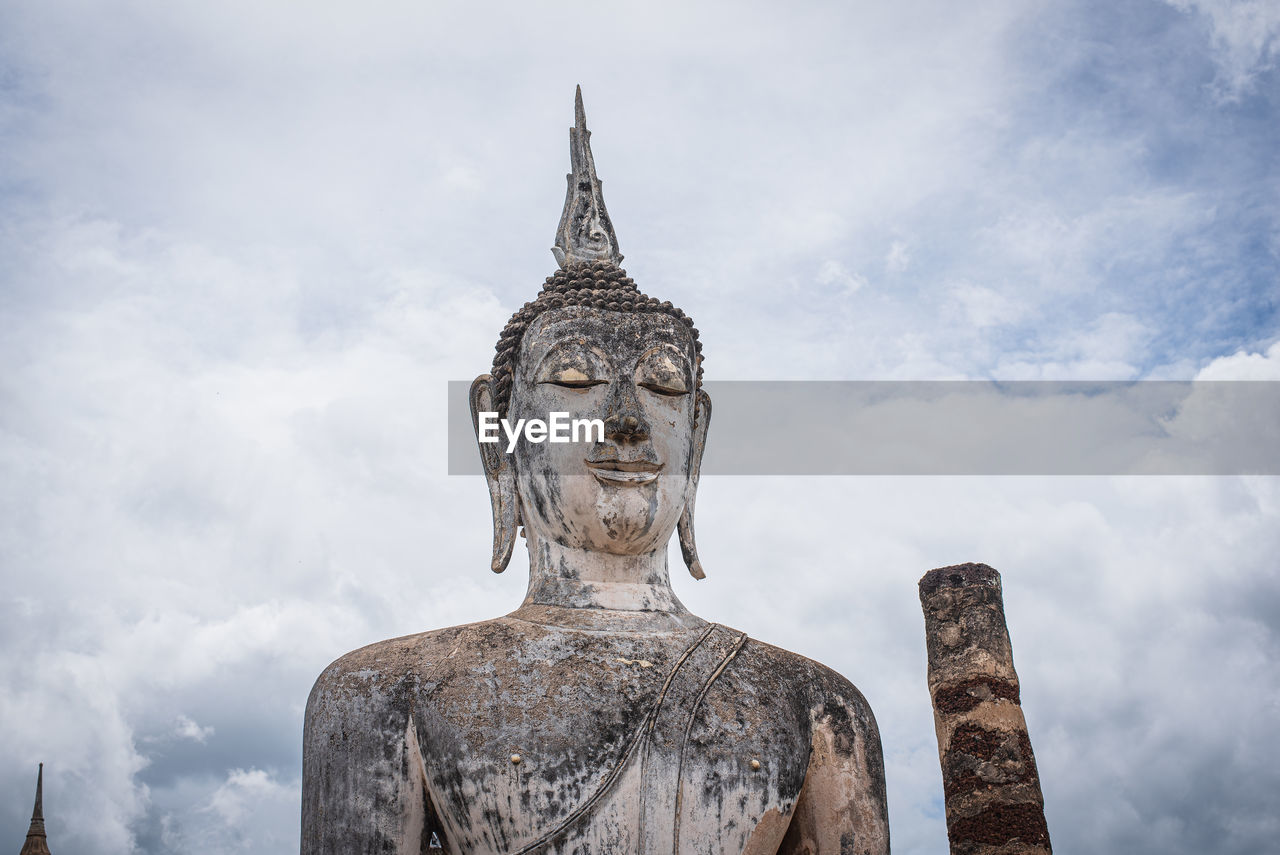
x: 625, y: 472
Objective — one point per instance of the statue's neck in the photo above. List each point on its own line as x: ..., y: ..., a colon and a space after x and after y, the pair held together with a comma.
x: 573, y: 585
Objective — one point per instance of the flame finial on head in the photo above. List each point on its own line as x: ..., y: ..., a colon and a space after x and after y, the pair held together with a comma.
x: 585, y: 233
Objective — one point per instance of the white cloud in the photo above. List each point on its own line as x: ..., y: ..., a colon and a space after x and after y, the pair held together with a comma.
x: 898, y: 258
x: 187, y: 728
x: 1110, y: 347
x: 984, y: 307
x: 238, y: 812
x: 247, y: 791
x: 833, y: 273
x: 1244, y: 365
x: 1246, y: 39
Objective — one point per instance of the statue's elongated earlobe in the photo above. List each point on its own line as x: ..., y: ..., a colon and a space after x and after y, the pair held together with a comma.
x: 500, y: 476
x: 688, y: 548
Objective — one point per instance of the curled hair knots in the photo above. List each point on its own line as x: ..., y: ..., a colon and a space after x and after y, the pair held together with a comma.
x: 595, y: 285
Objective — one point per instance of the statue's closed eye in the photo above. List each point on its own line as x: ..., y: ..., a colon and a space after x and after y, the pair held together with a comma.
x: 660, y: 389
x: 572, y: 367
x: 663, y: 372
x: 572, y: 378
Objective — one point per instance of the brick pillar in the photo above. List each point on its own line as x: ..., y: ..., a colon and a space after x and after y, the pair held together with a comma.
x: 992, y: 790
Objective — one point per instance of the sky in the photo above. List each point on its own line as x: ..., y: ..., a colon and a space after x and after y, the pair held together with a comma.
x: 244, y: 246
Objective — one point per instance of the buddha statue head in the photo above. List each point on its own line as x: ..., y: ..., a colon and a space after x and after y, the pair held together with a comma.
x: 593, y: 346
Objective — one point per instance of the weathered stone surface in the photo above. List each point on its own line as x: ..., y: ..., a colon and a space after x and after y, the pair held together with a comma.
x: 585, y: 232
x: 601, y: 716
x: 991, y: 786
x: 413, y: 738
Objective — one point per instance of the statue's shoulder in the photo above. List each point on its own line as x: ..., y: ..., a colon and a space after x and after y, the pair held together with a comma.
x: 395, y: 663
x: 826, y: 692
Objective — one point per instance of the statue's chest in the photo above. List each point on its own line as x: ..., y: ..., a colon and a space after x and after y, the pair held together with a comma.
x: 591, y: 745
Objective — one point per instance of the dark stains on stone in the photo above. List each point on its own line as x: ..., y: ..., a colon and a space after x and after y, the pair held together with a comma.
x: 980, y: 758
x: 999, y: 825
x: 959, y: 576
x: 845, y: 707
x: 540, y: 500
x: 967, y: 694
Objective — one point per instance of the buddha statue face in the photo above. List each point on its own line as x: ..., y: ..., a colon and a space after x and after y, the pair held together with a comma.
x: 622, y: 493
x: 635, y: 370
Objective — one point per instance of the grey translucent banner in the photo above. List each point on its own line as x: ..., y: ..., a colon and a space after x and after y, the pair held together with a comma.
x: 972, y: 428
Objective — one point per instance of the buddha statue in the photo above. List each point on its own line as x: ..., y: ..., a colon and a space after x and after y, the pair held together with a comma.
x: 600, y: 716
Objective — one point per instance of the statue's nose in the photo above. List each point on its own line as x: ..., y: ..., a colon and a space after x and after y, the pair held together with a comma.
x: 626, y: 427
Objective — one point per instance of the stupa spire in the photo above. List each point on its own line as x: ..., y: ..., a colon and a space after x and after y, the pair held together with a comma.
x: 585, y: 233
x: 36, y: 843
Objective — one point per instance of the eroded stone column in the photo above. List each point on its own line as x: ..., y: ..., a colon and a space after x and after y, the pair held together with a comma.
x: 989, y: 778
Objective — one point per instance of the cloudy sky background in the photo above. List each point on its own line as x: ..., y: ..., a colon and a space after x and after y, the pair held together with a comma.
x: 244, y: 246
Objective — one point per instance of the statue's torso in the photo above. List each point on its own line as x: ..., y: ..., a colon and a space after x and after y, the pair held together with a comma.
x: 608, y: 760
x: 619, y: 749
